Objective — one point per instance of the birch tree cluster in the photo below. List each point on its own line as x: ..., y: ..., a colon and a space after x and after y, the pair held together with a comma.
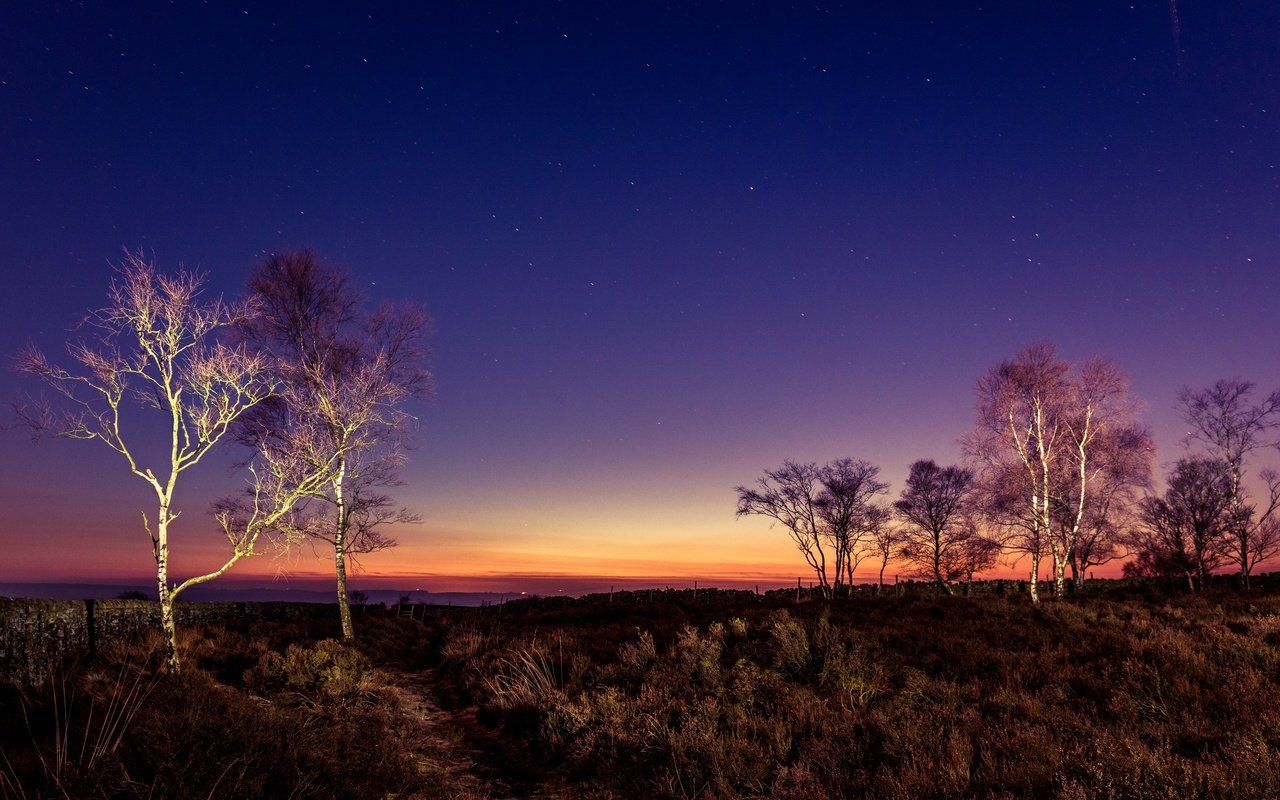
x: 1057, y: 475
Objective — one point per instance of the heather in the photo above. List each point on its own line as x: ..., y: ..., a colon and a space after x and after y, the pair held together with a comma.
x: 1131, y: 690
x: 887, y: 696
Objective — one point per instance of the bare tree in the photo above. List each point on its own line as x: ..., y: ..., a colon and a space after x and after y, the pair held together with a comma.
x: 1186, y: 529
x: 885, y: 540
x: 977, y: 553
x: 160, y: 346
x: 1099, y: 421
x: 1124, y: 457
x: 999, y: 502
x: 366, y: 513
x: 1017, y: 445
x: 1230, y: 427
x: 788, y: 495
x: 933, y: 510
x: 347, y: 375
x: 847, y: 513
x: 1039, y: 445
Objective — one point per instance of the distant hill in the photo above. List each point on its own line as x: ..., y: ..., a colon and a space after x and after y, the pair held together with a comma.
x: 245, y: 593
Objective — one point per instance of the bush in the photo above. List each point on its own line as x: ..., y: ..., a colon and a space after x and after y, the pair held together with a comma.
x: 328, y: 673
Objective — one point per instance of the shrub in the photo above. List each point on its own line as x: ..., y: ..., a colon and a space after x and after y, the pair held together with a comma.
x: 635, y: 658
x: 790, y: 643
x: 327, y: 673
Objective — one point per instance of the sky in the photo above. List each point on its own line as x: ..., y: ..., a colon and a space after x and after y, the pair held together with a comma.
x: 665, y: 246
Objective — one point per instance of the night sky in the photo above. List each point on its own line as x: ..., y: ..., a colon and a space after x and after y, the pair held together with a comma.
x: 665, y: 247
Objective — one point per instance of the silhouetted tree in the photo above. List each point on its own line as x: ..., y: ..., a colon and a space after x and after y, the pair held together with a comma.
x: 933, y: 510
x: 346, y: 374
x: 1185, y: 531
x: 1230, y: 427
x: 978, y: 553
x: 788, y: 495
x: 159, y: 345
x: 1149, y: 564
x: 847, y: 513
x: 884, y: 541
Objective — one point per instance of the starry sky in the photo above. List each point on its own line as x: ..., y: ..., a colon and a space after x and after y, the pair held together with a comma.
x: 665, y: 246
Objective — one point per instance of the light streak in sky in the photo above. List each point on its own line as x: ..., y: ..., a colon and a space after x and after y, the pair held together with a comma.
x: 1177, y: 33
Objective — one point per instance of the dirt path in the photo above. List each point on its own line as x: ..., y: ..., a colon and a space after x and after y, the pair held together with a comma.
x: 467, y: 773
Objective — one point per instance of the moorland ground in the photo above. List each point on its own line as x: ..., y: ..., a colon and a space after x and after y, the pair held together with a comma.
x: 1126, y: 691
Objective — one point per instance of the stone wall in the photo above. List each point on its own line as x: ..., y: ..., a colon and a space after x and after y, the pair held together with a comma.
x: 38, y: 635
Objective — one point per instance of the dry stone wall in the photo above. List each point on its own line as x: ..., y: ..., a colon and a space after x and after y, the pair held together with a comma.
x: 38, y: 635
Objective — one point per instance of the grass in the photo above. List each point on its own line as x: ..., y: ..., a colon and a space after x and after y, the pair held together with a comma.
x: 262, y: 710
x: 1135, y: 693
x: 1153, y: 696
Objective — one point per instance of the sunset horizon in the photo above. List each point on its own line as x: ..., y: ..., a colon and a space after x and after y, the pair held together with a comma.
x: 733, y: 401
x: 663, y: 257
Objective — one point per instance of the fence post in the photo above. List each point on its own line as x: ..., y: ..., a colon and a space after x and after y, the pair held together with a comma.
x: 91, y: 628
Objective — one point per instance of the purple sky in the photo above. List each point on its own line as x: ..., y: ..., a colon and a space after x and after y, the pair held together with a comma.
x: 665, y: 247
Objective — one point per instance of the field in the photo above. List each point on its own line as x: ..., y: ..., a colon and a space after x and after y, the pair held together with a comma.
x: 1123, y: 692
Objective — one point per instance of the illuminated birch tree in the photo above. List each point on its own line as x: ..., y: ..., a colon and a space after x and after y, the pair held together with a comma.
x: 1016, y: 445
x: 159, y: 345
x: 1124, y: 458
x: 1107, y: 454
x: 1041, y: 445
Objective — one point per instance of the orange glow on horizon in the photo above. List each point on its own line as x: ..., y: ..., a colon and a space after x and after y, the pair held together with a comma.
x: 461, y: 561
x: 574, y: 546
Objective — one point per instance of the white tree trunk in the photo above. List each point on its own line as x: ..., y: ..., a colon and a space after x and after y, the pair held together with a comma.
x: 164, y: 591
x: 340, y: 555
x: 1059, y: 571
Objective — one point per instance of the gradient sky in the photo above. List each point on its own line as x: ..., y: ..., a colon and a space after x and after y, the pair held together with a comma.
x: 665, y: 246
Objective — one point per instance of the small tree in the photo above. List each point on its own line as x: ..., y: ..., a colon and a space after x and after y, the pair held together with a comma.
x: 159, y: 345
x: 885, y: 540
x: 1185, y: 531
x: 978, y: 553
x: 847, y: 512
x: 1230, y: 427
x: 828, y: 506
x: 347, y: 374
x: 933, y: 509
x: 788, y: 495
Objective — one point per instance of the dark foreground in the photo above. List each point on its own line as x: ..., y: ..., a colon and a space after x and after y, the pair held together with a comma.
x: 720, y: 695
